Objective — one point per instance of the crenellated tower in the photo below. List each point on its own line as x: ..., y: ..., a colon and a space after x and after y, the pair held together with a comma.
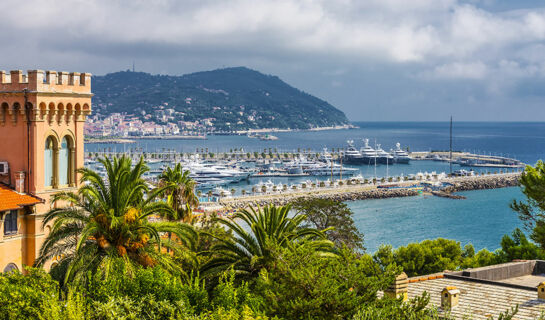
x: 42, y: 115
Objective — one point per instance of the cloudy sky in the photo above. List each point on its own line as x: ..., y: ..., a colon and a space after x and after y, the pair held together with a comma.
x: 374, y: 59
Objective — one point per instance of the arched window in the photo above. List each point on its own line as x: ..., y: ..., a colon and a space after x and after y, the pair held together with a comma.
x: 48, y: 162
x: 64, y: 163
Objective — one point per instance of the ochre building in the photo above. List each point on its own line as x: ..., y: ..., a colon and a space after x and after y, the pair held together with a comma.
x: 41, y: 145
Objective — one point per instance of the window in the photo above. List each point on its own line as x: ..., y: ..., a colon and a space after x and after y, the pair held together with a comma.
x: 64, y: 163
x: 48, y: 162
x: 10, y: 222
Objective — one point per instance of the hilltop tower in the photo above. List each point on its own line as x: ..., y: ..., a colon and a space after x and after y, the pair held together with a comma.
x: 41, y: 145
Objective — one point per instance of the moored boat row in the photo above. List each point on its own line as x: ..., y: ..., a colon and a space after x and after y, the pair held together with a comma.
x: 377, y: 155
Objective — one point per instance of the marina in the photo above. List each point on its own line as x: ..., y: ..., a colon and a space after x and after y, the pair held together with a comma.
x: 237, y: 174
x: 426, y: 144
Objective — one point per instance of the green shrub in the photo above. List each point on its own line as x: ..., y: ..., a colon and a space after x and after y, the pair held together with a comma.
x: 32, y: 296
x: 303, y: 284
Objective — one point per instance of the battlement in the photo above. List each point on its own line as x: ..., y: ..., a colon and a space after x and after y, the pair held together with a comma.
x: 45, y: 81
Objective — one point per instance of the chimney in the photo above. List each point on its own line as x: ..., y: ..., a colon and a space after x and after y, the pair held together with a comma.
x: 20, y: 181
x: 399, y: 288
x: 449, y: 298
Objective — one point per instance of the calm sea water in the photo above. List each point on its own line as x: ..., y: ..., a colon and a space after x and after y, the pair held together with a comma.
x: 482, y: 219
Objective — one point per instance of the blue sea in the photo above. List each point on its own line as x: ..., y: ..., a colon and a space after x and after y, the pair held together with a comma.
x: 481, y: 219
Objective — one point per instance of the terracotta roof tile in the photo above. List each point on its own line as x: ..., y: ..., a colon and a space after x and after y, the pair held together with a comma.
x: 11, y: 200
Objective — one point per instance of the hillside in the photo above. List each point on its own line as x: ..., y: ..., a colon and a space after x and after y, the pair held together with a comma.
x: 235, y: 98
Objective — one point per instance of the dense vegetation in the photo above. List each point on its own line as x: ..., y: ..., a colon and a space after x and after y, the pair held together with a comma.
x: 238, y: 98
x: 112, y: 262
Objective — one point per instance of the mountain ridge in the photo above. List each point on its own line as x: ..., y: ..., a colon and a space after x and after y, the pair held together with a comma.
x: 236, y: 98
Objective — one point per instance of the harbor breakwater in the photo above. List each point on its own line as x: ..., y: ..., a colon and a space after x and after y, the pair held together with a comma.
x: 364, y: 192
x: 483, y: 182
x: 341, y: 195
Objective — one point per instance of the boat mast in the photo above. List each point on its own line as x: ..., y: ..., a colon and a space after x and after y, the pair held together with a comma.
x: 331, y: 164
x: 340, y: 155
x: 387, y: 174
x: 376, y: 155
x: 450, y: 156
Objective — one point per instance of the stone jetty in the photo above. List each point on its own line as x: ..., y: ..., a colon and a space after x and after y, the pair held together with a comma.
x: 341, y: 195
x: 483, y: 182
x: 366, y: 191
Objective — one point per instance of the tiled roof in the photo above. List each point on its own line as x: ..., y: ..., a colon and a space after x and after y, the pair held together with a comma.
x: 480, y: 300
x: 11, y: 200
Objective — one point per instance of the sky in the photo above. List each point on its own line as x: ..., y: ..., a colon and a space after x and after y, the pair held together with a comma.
x: 376, y: 60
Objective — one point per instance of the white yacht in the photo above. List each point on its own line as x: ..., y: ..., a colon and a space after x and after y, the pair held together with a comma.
x: 220, y: 192
x: 199, y: 170
x: 265, y: 186
x: 368, y: 154
x: 400, y: 155
x: 383, y: 156
x: 329, y: 168
x: 351, y: 155
x: 208, y: 183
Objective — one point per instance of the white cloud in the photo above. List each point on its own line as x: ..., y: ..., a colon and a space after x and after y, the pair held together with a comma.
x: 457, y: 70
x: 448, y: 38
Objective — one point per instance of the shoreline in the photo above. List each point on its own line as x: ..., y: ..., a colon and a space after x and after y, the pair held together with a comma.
x: 266, y: 130
x: 205, y: 137
x: 364, y: 192
x: 109, y: 140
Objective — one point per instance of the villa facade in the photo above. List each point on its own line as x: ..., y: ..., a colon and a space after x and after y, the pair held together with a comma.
x: 42, y: 116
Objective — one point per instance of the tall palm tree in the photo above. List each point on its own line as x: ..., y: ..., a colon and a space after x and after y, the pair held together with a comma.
x: 179, y: 189
x: 252, y: 246
x: 106, y: 220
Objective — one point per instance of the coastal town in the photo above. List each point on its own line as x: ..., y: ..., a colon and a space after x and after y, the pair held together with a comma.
x: 176, y: 193
x: 272, y: 160
x: 162, y: 123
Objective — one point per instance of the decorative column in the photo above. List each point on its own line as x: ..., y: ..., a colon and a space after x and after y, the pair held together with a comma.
x: 56, y: 166
x: 72, y: 166
x: 50, y: 115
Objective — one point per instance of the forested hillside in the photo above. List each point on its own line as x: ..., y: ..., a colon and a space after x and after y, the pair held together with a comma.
x: 233, y: 98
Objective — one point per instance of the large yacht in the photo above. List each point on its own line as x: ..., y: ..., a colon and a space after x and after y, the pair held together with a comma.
x: 383, y: 156
x: 369, y: 155
x: 351, y: 155
x: 400, y: 155
x: 329, y: 168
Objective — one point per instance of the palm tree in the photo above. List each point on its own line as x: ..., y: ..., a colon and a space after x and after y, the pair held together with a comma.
x: 106, y: 221
x: 252, y: 246
x: 179, y: 189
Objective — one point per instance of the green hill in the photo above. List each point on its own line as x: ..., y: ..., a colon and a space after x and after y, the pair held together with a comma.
x: 238, y: 98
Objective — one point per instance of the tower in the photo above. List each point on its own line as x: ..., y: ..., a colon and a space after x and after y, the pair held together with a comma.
x: 41, y: 143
